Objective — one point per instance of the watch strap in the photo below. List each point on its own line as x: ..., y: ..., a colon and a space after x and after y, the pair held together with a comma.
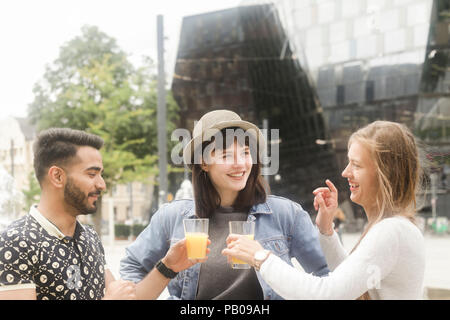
x: 165, y: 271
x: 259, y: 262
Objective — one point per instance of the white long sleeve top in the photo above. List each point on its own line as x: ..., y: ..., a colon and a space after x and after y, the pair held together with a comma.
x: 389, y: 263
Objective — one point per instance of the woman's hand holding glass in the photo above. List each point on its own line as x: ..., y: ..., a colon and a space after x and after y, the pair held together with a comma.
x: 242, y: 248
x: 326, y: 201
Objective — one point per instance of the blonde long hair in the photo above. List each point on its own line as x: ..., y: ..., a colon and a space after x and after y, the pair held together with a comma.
x: 397, y: 161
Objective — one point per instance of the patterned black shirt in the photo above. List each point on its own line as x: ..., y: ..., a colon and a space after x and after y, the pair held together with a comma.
x: 34, y: 254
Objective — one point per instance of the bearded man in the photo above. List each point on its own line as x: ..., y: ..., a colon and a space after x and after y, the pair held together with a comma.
x: 48, y: 254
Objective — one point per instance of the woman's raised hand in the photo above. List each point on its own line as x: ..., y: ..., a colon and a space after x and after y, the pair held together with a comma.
x: 326, y: 201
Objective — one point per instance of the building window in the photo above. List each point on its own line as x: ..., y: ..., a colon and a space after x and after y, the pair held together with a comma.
x: 370, y: 90
x: 340, y: 95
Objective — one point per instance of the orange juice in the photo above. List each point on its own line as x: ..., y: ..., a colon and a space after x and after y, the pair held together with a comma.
x: 238, y: 261
x: 196, y: 244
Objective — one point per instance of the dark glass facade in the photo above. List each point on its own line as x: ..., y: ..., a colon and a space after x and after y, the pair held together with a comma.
x: 240, y: 59
x: 319, y: 70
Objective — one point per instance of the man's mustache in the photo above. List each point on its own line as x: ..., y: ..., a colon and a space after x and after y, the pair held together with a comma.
x: 97, y: 193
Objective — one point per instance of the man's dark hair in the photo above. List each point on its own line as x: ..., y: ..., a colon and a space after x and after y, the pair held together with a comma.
x: 58, y: 146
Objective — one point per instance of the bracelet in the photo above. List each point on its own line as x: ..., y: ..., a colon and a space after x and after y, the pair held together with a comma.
x: 165, y: 271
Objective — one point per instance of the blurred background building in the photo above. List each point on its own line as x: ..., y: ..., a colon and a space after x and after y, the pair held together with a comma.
x: 16, y: 148
x: 16, y: 165
x: 319, y: 70
x: 132, y: 202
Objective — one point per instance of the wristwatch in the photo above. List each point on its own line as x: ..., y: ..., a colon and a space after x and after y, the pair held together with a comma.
x: 259, y: 257
x: 165, y: 271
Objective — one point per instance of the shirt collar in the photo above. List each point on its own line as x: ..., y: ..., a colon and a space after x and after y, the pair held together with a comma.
x: 49, y: 226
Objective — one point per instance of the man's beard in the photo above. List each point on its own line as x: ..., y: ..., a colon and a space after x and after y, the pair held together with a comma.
x: 77, y: 199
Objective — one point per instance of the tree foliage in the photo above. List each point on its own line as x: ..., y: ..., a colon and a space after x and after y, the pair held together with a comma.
x: 92, y: 86
x: 32, y: 193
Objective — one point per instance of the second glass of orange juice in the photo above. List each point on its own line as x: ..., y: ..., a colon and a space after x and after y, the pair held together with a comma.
x: 246, y: 228
x: 196, y: 233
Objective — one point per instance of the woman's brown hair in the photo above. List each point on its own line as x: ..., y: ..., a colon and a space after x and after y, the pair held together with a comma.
x: 206, y: 197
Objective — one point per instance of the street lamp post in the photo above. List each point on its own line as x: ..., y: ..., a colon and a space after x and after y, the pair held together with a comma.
x: 161, y: 114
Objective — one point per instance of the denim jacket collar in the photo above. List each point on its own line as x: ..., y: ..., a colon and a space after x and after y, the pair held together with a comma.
x: 262, y: 208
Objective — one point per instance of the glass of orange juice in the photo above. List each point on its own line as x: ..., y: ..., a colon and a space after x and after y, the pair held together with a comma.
x: 196, y: 234
x: 246, y: 228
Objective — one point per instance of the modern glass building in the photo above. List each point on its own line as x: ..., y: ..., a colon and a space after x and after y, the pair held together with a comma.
x: 318, y: 70
x: 238, y: 59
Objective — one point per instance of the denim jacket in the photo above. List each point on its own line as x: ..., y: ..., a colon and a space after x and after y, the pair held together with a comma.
x: 281, y: 226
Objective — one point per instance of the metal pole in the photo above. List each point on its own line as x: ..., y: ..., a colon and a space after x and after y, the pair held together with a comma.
x: 162, y: 145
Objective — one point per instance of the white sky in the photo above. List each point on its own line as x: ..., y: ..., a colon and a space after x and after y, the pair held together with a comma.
x: 32, y: 31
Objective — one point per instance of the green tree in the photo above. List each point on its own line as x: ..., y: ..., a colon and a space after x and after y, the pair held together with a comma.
x: 93, y: 87
x: 32, y: 193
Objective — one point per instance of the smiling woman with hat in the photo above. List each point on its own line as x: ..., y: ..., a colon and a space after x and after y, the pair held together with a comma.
x: 225, y: 158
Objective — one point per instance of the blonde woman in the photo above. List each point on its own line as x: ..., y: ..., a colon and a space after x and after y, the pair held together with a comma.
x: 388, y: 262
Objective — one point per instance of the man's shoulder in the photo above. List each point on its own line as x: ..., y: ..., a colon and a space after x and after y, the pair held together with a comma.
x: 89, y: 229
x: 90, y: 232
x: 22, y: 235
x: 20, y: 228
